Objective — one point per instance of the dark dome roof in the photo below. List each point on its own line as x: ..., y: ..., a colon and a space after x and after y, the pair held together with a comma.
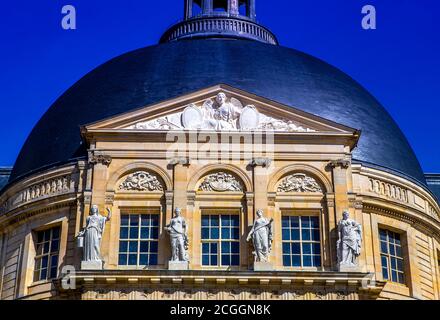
x: 161, y: 72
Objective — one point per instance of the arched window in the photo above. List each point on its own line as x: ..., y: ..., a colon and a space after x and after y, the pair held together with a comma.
x: 196, y: 8
x: 220, y: 6
x: 243, y: 8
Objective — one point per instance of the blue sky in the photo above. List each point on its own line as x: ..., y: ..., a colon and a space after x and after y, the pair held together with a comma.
x: 398, y: 63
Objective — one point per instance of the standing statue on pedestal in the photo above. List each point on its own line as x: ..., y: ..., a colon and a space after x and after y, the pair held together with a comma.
x: 350, y: 241
x: 262, y: 236
x: 178, y: 235
x: 90, y: 238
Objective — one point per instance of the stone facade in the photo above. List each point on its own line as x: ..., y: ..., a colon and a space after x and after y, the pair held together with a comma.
x: 132, y: 170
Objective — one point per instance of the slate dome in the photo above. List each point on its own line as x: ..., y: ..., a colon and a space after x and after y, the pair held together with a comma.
x: 157, y: 73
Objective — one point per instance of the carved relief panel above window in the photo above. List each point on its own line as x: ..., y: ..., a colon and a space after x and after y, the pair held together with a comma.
x: 221, y: 182
x: 141, y: 181
x: 299, y: 182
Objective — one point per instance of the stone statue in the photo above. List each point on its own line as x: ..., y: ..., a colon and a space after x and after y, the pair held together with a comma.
x: 350, y: 241
x: 91, y: 236
x: 262, y: 236
x: 178, y: 235
x: 227, y: 113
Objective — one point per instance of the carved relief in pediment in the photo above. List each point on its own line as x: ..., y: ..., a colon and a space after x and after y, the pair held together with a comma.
x: 220, y: 114
x: 299, y: 182
x: 141, y: 181
x: 221, y: 182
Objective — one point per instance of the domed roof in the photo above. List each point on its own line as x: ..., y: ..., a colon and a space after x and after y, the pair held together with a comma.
x: 168, y: 70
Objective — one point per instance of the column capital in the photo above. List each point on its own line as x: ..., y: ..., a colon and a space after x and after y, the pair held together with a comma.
x: 96, y: 157
x: 260, y: 162
x: 343, y: 163
x: 180, y: 160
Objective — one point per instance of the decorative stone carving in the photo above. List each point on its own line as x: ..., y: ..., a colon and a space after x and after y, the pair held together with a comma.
x: 340, y: 163
x: 180, y: 160
x: 262, y: 162
x: 388, y: 190
x: 220, y: 114
x: 177, y: 229
x: 221, y: 182
x: 261, y: 235
x: 90, y: 239
x: 103, y: 159
x: 299, y: 182
x: 141, y: 181
x: 349, y: 242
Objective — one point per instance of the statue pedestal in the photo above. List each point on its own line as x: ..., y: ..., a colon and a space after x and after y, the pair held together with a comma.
x: 178, y: 265
x: 347, y: 268
x: 91, y: 265
x: 263, y: 266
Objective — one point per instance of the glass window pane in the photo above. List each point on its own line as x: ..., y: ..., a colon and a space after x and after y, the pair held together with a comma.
x: 56, y: 233
x: 54, y: 261
x: 307, y: 248
x: 53, y: 273
x: 392, y: 250
x: 286, y: 248
x: 286, y: 260
x: 383, y: 247
x: 143, y: 259
x: 132, y: 259
x: 286, y: 234
x: 294, y: 222
x: 235, y: 260
x: 316, y: 261
x: 134, y: 220
x: 153, y: 259
x: 133, y: 246
x: 305, y: 235
x: 154, y: 221
x: 205, y: 260
x: 154, y: 246
x: 315, y: 235
x: 294, y: 233
x: 383, y: 235
x: 399, y: 252
x: 296, y: 261
x: 214, y: 233
x: 226, y: 221
x: 134, y: 233
x: 214, y: 248
x: 46, y: 247
x: 214, y: 260
x: 307, y: 260
x: 400, y: 265
x: 145, y: 233
x: 235, y: 247
x: 214, y: 221
x: 124, y: 233
x: 316, y: 248
x: 394, y: 277
x: 385, y: 273
x: 314, y: 222
x: 285, y: 222
x: 305, y: 222
x: 226, y: 233
x: 226, y: 247
x: 55, y: 246
x: 124, y: 220
x: 226, y: 260
x: 123, y: 246
x: 143, y: 247
x: 205, y: 233
x: 296, y: 248
x: 205, y: 247
x: 43, y: 274
x: 44, y: 262
x: 122, y: 259
x: 205, y: 221
x: 235, y: 221
x: 235, y: 233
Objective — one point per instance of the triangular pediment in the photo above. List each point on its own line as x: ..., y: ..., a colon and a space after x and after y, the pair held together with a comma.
x: 220, y: 108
